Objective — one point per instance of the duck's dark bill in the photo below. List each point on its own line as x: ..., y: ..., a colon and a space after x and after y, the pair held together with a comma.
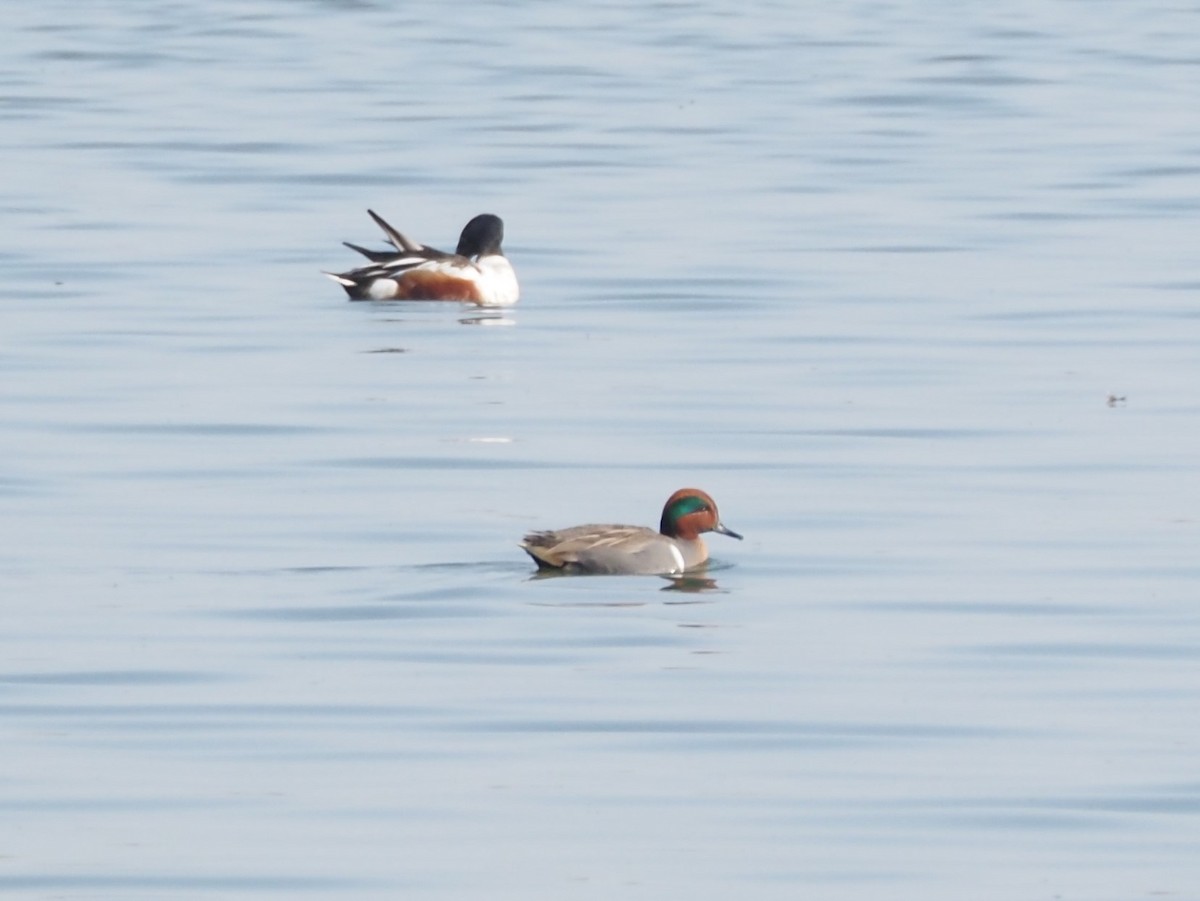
x: 726, y: 531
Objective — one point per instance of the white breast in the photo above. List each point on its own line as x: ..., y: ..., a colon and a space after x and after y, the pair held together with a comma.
x: 497, y: 282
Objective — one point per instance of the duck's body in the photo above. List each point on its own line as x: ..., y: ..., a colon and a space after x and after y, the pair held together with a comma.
x: 477, y: 272
x: 603, y: 548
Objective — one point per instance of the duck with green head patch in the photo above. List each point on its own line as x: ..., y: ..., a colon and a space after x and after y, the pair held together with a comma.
x: 675, y: 548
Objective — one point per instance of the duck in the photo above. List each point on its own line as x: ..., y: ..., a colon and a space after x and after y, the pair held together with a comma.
x: 477, y: 272
x: 611, y: 549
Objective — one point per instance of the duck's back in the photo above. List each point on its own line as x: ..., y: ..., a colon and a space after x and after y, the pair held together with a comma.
x: 604, y: 548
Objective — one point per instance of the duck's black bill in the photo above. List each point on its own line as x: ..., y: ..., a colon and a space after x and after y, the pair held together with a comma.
x: 723, y: 530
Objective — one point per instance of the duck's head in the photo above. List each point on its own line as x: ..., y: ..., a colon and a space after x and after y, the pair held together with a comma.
x: 690, y: 512
x: 481, y: 237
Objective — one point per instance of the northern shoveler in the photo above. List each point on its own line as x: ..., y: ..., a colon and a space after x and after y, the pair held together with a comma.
x: 477, y: 272
x: 675, y: 548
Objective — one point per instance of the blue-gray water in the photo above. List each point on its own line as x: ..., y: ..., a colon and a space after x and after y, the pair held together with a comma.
x: 912, y: 290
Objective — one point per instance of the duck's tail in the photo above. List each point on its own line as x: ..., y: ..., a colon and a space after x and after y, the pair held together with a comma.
x: 397, y: 239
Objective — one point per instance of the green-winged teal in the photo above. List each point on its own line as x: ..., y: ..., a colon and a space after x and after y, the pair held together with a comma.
x: 675, y: 548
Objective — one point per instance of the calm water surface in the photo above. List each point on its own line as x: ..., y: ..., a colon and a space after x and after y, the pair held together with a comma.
x: 911, y: 290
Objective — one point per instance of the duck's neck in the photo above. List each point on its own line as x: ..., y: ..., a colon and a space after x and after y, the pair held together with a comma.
x: 694, y: 550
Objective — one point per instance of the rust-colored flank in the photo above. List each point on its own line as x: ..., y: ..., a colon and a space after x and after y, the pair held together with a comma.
x: 419, y: 285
